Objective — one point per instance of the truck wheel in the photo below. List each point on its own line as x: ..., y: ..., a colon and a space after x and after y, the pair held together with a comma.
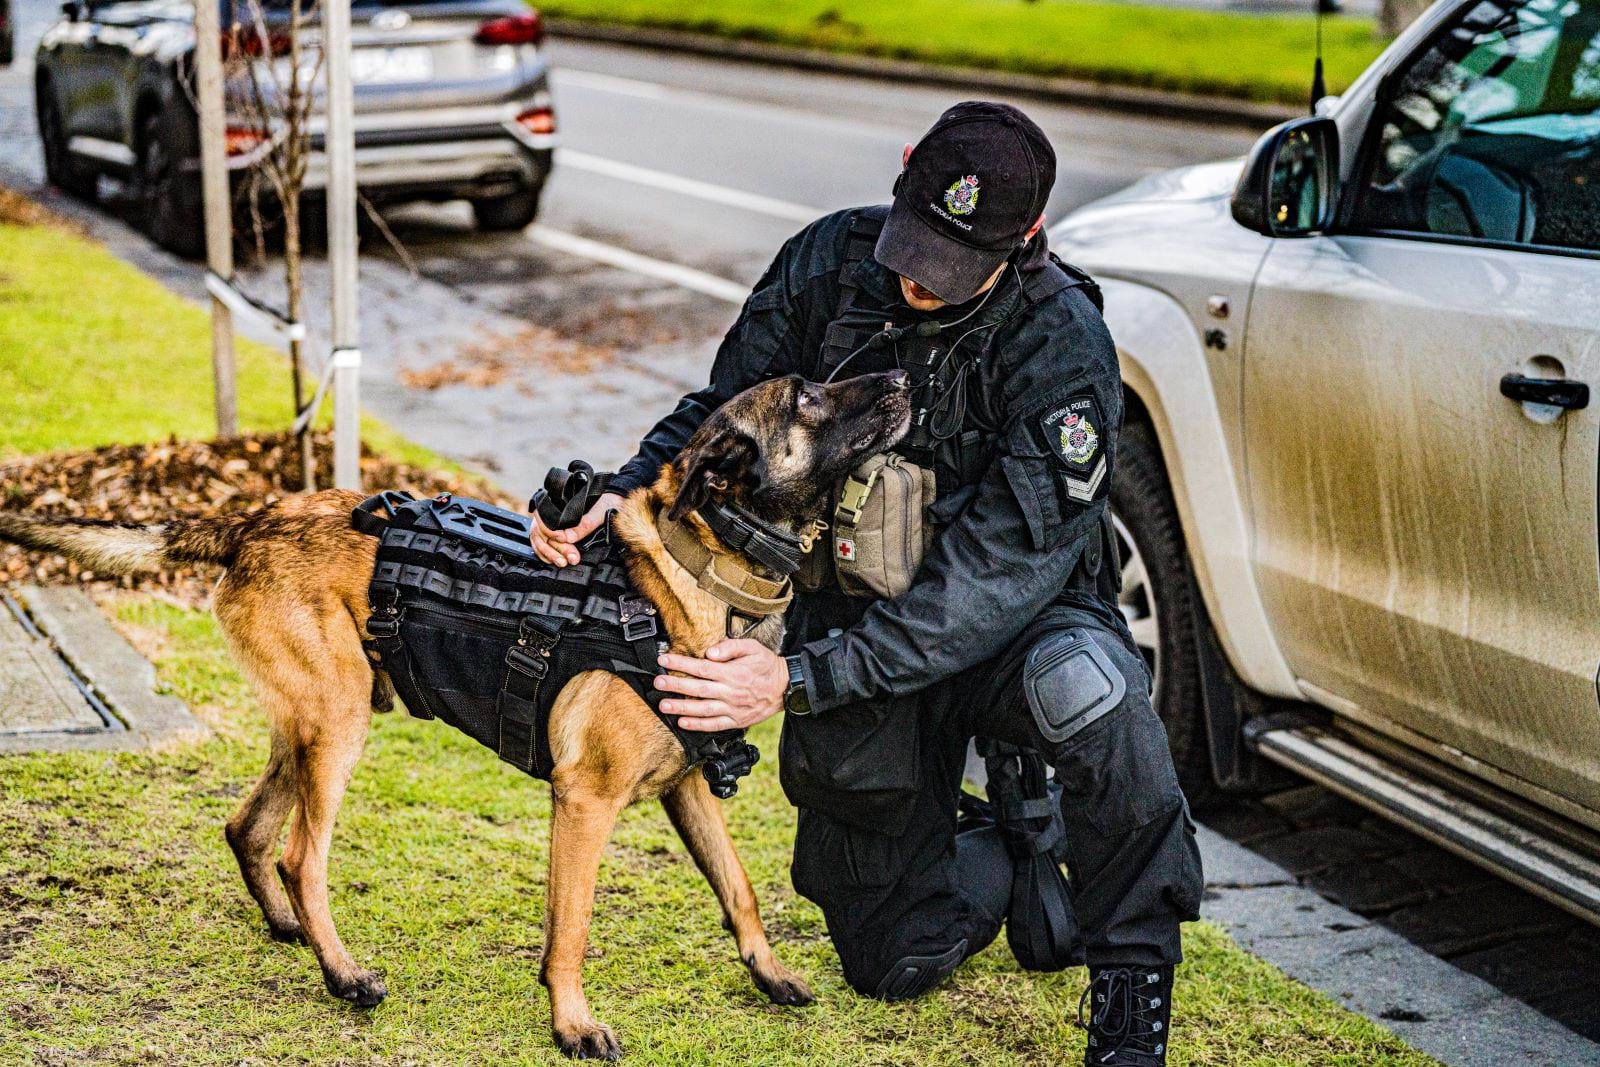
x: 512, y: 211
x: 168, y: 192
x: 1159, y: 601
x: 64, y: 170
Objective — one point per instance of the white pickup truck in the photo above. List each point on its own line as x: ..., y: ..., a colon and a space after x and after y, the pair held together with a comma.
x: 1357, y: 486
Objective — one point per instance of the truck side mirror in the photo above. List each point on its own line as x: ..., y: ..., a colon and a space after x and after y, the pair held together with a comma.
x: 1290, y: 183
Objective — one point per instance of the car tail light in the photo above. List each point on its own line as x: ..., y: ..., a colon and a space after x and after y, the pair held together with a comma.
x: 243, y: 140
x: 525, y: 28
x: 540, y: 120
x: 248, y: 41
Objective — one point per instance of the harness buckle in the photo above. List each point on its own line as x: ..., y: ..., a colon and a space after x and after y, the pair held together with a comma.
x: 637, y: 616
x: 534, y: 662
x: 385, y: 626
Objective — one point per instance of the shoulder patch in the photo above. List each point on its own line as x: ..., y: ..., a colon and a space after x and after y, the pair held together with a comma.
x: 1073, y: 433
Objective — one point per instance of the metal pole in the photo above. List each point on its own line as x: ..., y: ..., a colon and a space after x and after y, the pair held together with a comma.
x: 342, y: 250
x: 218, y: 213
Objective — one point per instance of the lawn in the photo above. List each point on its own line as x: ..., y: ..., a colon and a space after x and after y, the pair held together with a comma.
x: 1259, y: 57
x: 126, y: 935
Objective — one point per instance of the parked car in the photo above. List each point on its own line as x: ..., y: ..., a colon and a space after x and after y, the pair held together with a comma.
x: 1357, y: 486
x: 452, y: 101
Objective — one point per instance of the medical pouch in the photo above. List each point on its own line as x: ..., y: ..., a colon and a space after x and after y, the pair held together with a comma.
x: 881, y: 529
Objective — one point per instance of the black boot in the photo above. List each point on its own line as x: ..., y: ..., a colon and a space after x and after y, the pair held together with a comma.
x: 1128, y: 1010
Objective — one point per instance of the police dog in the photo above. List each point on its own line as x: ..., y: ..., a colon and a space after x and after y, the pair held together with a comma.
x: 293, y: 603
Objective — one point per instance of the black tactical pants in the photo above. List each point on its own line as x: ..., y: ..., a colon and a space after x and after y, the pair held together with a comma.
x: 1133, y: 862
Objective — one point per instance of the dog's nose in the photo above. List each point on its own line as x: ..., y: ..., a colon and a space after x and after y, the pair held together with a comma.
x: 899, y: 379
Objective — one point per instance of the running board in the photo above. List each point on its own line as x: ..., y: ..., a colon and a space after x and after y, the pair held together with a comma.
x: 1561, y: 875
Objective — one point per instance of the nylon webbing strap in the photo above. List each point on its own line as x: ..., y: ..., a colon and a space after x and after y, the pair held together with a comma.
x: 522, y: 740
x: 723, y: 577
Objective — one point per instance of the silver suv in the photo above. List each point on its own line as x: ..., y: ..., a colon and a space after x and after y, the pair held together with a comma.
x: 452, y: 102
x: 1358, y: 484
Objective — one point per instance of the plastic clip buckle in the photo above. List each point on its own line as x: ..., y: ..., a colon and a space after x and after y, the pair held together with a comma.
x: 383, y: 627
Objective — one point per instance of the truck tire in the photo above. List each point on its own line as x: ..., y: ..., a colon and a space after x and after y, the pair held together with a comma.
x: 506, y: 213
x: 63, y: 170
x: 168, y: 191
x: 1161, y: 604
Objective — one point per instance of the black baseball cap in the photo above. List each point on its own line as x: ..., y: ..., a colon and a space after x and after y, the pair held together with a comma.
x: 973, y: 186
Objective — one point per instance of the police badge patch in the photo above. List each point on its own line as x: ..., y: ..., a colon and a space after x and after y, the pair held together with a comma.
x: 1073, y: 433
x: 962, y: 196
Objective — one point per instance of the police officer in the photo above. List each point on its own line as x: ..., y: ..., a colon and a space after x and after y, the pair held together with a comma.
x: 1009, y: 632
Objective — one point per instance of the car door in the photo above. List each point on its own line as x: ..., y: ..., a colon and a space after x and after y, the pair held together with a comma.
x: 1425, y: 545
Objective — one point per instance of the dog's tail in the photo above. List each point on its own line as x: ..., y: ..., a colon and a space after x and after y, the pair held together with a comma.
x: 126, y: 548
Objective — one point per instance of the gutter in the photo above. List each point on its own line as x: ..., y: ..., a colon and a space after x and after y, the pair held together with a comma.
x: 1215, y: 110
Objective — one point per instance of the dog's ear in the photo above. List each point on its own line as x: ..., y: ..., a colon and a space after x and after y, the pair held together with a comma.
x: 728, y: 457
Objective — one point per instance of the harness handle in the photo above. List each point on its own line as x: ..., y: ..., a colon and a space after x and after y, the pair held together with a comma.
x: 568, y: 494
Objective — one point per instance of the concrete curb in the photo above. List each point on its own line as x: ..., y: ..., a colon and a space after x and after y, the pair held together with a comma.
x: 1439, y: 1009
x: 122, y: 678
x: 1217, y: 110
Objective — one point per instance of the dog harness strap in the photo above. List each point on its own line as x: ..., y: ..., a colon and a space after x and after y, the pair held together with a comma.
x: 778, y: 550
x: 524, y: 741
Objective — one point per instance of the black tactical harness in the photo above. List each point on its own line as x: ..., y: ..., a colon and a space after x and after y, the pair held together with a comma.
x: 474, y: 629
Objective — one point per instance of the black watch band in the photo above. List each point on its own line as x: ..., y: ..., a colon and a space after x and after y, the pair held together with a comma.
x: 796, y: 700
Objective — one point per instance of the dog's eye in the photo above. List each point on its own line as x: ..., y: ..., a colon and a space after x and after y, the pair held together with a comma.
x: 807, y: 400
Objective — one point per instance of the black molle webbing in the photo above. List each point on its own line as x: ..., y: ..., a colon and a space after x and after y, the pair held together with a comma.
x: 472, y: 628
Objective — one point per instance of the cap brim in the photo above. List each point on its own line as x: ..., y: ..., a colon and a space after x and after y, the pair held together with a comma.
x: 950, y: 270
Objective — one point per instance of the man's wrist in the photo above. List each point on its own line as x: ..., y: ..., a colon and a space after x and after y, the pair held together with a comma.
x: 796, y: 697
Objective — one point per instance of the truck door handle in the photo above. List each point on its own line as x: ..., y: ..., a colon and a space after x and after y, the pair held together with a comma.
x: 1557, y: 392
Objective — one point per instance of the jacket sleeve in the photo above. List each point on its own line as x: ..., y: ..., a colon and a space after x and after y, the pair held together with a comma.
x: 764, y: 342
x: 1013, y: 547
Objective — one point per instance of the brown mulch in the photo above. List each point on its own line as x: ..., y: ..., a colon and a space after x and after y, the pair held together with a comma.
x: 153, y: 483
x: 19, y: 210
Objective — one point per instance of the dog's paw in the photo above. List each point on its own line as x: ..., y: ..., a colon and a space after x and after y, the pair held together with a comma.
x: 288, y: 933
x: 592, y: 1042
x: 364, y: 989
x: 783, y: 986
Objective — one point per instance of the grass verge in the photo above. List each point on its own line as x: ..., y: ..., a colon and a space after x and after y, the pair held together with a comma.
x: 126, y: 935
x: 1257, y: 57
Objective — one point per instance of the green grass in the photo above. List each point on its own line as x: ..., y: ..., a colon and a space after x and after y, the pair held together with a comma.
x: 94, y: 352
x: 126, y: 935
x: 1260, y: 57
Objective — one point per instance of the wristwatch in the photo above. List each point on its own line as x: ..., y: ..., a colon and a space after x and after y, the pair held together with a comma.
x: 796, y: 701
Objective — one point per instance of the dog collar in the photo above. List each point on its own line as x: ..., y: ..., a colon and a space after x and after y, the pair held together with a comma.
x: 747, y: 594
x: 776, y: 549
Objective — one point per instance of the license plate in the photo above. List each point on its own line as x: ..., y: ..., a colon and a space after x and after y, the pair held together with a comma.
x: 373, y: 66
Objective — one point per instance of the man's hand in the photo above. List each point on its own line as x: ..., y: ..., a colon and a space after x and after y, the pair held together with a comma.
x: 556, y: 547
x: 737, y: 685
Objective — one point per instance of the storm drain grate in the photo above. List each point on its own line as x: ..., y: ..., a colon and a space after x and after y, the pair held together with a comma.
x: 108, y: 720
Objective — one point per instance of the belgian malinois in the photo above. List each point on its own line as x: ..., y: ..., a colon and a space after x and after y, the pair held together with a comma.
x: 293, y: 604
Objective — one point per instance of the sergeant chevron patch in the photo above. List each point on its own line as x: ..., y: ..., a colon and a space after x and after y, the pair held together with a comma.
x: 1084, y: 489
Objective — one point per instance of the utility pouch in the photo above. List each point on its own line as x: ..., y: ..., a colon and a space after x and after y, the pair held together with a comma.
x: 880, y: 526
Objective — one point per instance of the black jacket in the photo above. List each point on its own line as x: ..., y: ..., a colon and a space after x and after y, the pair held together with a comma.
x: 1021, y: 485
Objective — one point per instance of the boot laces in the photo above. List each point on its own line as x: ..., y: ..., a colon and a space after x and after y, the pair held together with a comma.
x: 1121, y: 1019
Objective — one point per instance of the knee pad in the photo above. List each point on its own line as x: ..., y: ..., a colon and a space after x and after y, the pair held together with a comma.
x: 912, y: 976
x: 1070, y: 684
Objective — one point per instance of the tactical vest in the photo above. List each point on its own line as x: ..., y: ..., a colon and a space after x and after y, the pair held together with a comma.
x: 475, y: 630
x: 940, y: 363
x: 939, y: 438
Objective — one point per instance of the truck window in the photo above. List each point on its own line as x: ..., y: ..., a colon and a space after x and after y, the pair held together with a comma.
x: 1493, y: 131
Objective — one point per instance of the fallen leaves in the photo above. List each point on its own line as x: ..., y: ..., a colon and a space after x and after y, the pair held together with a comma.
x: 155, y: 483
x: 492, y: 360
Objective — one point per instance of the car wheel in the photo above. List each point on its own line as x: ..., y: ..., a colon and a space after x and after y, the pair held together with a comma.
x: 169, y: 193
x: 1160, y: 604
x: 512, y: 211
x: 64, y: 170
